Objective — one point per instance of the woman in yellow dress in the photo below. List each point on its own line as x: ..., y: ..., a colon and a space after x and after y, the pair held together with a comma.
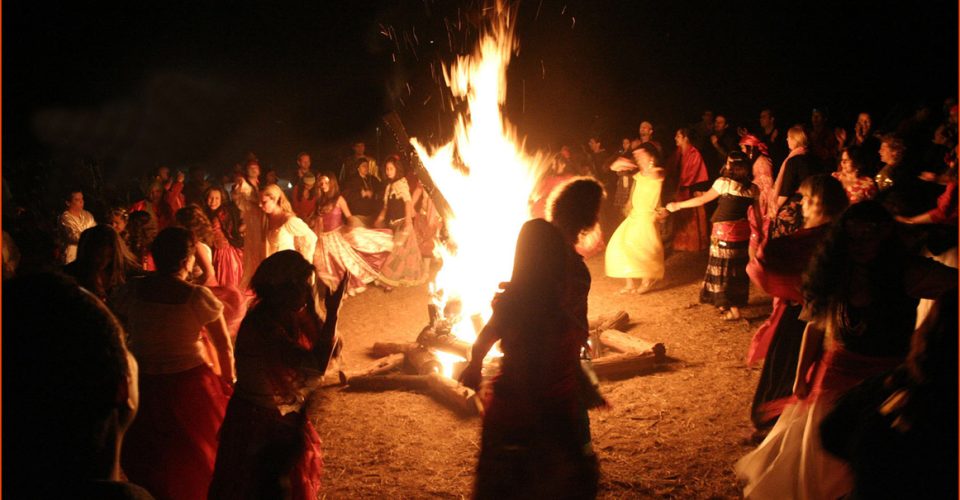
x: 635, y: 251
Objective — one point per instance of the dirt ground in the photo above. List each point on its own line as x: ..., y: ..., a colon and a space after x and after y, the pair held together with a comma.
x: 675, y: 433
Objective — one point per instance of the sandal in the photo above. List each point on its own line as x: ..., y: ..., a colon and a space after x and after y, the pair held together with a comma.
x: 646, y: 286
x: 730, y: 316
x: 626, y: 291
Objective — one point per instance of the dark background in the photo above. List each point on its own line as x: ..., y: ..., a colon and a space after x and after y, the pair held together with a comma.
x: 130, y: 87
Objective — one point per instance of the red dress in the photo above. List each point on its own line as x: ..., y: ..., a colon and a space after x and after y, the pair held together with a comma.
x: 691, y: 225
x: 171, y: 446
x: 268, y: 447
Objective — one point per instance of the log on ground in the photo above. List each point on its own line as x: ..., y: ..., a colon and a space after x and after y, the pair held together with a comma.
x: 381, y: 349
x: 618, y: 366
x: 391, y: 382
x: 626, y: 343
x: 378, y: 367
x: 458, y: 397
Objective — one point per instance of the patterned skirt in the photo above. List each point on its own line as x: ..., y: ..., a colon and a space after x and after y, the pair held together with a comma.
x: 726, y: 283
x: 404, y: 266
x: 361, y: 252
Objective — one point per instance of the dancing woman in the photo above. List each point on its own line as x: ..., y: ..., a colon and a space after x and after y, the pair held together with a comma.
x: 690, y: 227
x: 858, y: 187
x: 404, y: 265
x: 282, y: 229
x: 359, y: 251
x: 635, y: 251
x: 536, y: 430
x: 268, y: 446
x: 171, y: 447
x: 726, y: 284
x: 778, y: 269
x: 861, y: 293
x: 226, y: 238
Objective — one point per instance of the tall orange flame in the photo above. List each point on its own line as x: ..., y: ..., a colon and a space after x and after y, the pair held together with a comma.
x: 485, y: 175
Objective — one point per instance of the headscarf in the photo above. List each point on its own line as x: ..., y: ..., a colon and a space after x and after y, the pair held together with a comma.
x: 752, y: 140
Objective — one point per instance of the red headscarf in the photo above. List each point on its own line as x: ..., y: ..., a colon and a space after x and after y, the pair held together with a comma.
x: 752, y: 140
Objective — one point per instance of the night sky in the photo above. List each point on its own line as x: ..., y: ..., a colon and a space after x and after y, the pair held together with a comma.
x: 141, y: 84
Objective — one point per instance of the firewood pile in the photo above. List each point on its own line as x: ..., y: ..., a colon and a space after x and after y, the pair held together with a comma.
x: 415, y: 365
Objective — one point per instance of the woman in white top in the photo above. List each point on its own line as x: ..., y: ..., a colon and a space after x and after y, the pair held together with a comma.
x: 73, y: 221
x: 283, y: 230
x: 171, y: 447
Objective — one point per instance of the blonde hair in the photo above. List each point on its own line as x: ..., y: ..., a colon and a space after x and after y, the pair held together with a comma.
x: 799, y: 135
x: 274, y: 191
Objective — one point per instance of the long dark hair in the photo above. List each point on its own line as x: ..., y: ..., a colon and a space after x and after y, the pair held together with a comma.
x: 829, y: 276
x: 227, y: 214
x: 272, y: 328
x: 92, y: 245
x: 738, y: 168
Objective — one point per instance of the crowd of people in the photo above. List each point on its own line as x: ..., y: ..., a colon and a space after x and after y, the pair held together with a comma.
x: 218, y: 300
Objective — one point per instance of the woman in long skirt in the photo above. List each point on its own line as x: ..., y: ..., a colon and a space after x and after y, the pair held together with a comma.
x: 359, y: 251
x: 726, y: 284
x: 404, y: 266
x: 268, y: 446
x: 171, y: 447
x: 635, y: 251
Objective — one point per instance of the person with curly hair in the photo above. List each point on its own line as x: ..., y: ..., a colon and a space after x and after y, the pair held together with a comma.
x: 536, y: 430
x: 860, y: 298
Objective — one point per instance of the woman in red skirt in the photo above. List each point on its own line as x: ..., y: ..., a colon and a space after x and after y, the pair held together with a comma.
x: 268, y: 447
x: 171, y: 447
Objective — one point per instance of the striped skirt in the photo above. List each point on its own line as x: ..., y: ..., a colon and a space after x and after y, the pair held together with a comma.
x: 726, y: 283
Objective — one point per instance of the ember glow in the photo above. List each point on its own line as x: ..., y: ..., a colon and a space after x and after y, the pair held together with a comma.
x: 486, y: 177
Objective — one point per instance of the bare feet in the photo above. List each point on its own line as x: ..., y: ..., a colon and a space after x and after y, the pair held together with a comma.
x: 732, y: 315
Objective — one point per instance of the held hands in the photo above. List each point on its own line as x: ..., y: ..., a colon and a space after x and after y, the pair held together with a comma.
x: 623, y: 165
x: 672, y: 207
x: 471, y: 375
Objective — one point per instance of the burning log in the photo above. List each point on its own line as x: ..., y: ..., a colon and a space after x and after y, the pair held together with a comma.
x: 451, y: 393
x: 624, y: 365
x: 437, y: 339
x: 629, y: 344
x: 392, y: 382
x: 381, y: 349
x: 421, y: 362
